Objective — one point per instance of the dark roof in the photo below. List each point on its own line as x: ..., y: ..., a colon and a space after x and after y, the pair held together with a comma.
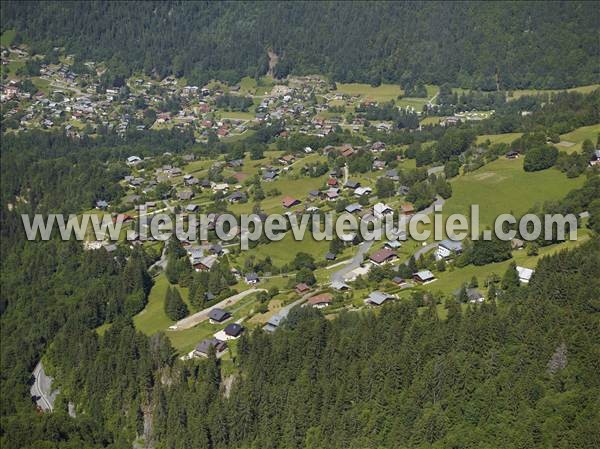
x: 233, y: 329
x: 251, y: 277
x: 218, y: 314
x: 205, y: 345
x: 382, y: 255
x: 330, y: 256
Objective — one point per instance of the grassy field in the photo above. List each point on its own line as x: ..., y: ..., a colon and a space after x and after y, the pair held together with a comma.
x: 578, y: 136
x: 7, y: 38
x: 503, y: 186
x: 580, y: 89
x: 384, y: 92
x: 153, y: 318
x: 498, y: 138
x: 450, y: 281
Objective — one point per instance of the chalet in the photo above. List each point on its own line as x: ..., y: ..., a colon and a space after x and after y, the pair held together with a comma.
x: 215, y: 248
x: 288, y: 159
x: 122, y: 218
x: 403, y: 190
x: 236, y: 197
x: 252, y: 279
x: 288, y: 202
x: 353, y: 208
x: 220, y: 187
x: 424, y: 277
x: 191, y: 208
x: 314, y: 194
x: 407, y: 209
x: 352, y: 184
x: 302, y: 288
x: 205, y: 346
x: 206, y: 263
x: 133, y: 160
x: 233, y: 330
x: 332, y: 182
x: 525, y: 274
x: 217, y: 315
x: 392, y: 174
x: 383, y: 256
x: 448, y: 248
x: 379, y: 164
x: 595, y: 159
x: 380, y: 210
x: 398, y: 280
x: 320, y: 301
x: 330, y: 256
x: 270, y: 175
x: 377, y: 298
x: 392, y: 244
x: 335, y: 173
x: 196, y: 255
x: 362, y: 191
x: 340, y: 286
x: 185, y: 195
x: 377, y: 147
x: 191, y: 181
x: 101, y: 204
x: 332, y: 194
x: 347, y: 151
x: 517, y: 243
x: 512, y: 154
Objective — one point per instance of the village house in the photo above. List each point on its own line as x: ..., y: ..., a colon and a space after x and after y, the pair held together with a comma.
x: 353, y: 208
x: 320, y: 301
x: 407, y: 209
x: 352, y: 184
x: 185, y: 195
x: 380, y: 210
x: 448, y: 248
x: 218, y: 315
x: 362, y: 191
x: 288, y: 159
x: 206, y: 263
x: 377, y: 298
x: 424, y: 277
x: 251, y: 279
x: 288, y: 202
x: 525, y: 274
x: 191, y: 208
x: 233, y: 331
x: 382, y: 256
x: 301, y: 288
x: 204, y: 347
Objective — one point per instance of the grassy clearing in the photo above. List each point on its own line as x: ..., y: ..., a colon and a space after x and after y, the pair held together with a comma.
x: 384, y: 92
x: 498, y: 138
x: 236, y: 115
x: 153, y: 318
x: 7, y: 38
x: 450, y: 281
x: 503, y: 186
x: 580, y: 89
x: 577, y: 137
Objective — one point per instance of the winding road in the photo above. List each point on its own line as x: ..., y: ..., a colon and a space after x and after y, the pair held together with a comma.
x: 41, y: 390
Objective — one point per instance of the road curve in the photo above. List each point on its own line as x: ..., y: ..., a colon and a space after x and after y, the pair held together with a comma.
x: 41, y: 389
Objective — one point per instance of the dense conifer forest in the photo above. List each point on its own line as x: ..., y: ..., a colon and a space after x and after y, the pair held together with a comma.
x: 490, y: 45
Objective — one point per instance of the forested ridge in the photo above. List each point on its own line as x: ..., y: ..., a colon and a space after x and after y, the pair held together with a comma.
x: 520, y: 373
x: 486, y: 45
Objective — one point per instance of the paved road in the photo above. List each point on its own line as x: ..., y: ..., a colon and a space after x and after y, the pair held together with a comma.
x: 364, y: 247
x: 41, y: 389
x: 202, y: 315
x: 345, y: 174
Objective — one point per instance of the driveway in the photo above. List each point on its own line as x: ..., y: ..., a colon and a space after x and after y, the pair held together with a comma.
x: 202, y: 315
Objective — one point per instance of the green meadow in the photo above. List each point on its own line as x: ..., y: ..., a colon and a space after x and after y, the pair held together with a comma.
x: 577, y: 136
x: 502, y: 186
